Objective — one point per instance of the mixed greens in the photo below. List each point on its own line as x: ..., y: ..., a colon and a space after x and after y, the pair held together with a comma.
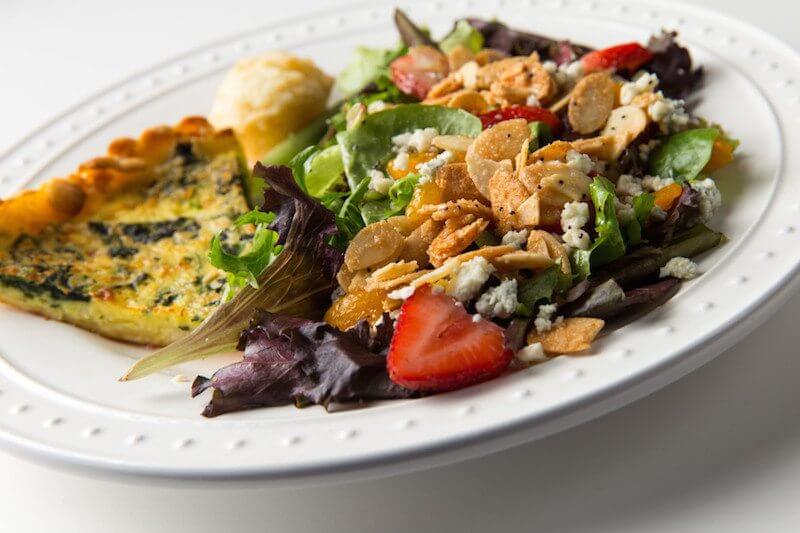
x: 397, y: 214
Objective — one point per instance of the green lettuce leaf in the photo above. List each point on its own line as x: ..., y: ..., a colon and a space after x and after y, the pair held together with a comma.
x: 369, y: 145
x: 322, y: 171
x: 244, y: 267
x: 541, y: 287
x: 395, y: 203
x: 642, y: 206
x: 609, y: 244
x: 684, y: 155
x: 298, y: 282
x: 462, y: 34
x: 366, y: 65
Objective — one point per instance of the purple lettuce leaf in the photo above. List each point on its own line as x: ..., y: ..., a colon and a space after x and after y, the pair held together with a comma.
x: 500, y: 37
x: 298, y: 282
x: 673, y: 65
x: 683, y: 215
x: 295, y: 360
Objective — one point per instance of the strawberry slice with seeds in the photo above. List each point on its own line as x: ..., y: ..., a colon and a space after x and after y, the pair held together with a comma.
x: 622, y: 57
x: 529, y: 113
x: 438, y: 347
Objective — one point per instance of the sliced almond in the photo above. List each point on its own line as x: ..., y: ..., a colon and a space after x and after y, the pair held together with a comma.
x: 456, y: 208
x: 601, y: 147
x: 555, y: 151
x: 394, y: 270
x: 469, y: 101
x: 454, y: 181
x: 573, y: 335
x: 555, y: 250
x: 373, y: 245
x: 523, y: 259
x: 392, y: 283
x: 454, y: 238
x: 417, y: 243
x: 561, y: 103
x: 444, y: 87
x: 591, y: 102
x: 453, y: 143
x: 536, y: 243
x: 506, y: 193
x: 468, y: 74
x: 489, y: 55
x: 493, y: 149
x: 624, y: 125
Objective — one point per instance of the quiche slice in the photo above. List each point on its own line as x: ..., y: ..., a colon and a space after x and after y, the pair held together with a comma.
x: 119, y: 247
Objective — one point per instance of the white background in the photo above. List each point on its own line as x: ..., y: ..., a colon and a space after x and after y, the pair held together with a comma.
x: 717, y: 451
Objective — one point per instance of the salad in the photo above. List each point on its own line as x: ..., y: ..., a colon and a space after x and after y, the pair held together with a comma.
x: 472, y: 205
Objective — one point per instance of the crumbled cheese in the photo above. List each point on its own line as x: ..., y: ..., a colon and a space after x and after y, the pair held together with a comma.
x: 427, y: 169
x: 500, y: 301
x: 645, y: 149
x: 476, y: 318
x: 532, y: 100
x: 401, y: 161
x: 579, y: 161
x: 403, y: 293
x: 624, y: 211
x: 577, y: 238
x: 669, y: 114
x: 418, y: 140
x: 656, y: 183
x: 469, y: 279
x: 566, y: 74
x: 544, y: 318
x: 628, y: 185
x: 532, y: 353
x: 376, y: 106
x: 679, y: 267
x: 516, y: 238
x: 378, y: 181
x: 643, y: 82
x: 574, y: 215
x: 710, y: 200
x: 550, y: 67
x: 658, y: 213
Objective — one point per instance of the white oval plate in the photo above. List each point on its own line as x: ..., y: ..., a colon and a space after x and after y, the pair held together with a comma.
x: 59, y: 395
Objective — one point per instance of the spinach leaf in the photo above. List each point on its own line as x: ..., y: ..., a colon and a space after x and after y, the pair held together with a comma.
x: 642, y: 206
x: 395, y: 203
x: 683, y: 155
x: 369, y: 145
x: 464, y: 34
x: 542, y: 286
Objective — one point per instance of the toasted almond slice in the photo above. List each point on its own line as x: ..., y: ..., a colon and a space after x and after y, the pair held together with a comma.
x: 468, y: 73
x: 563, y: 188
x: 522, y: 157
x: 454, y: 181
x: 601, y: 147
x: 469, y: 101
x: 453, y: 143
x: 537, y: 244
x: 450, y: 266
x: 493, y: 149
x: 457, y: 208
x: 573, y: 335
x: 489, y: 55
x: 591, y: 102
x: 393, y: 283
x: 447, y: 85
x: 454, y: 238
x: 506, y: 193
x: 523, y: 259
x: 555, y: 249
x: 417, y: 243
x: 624, y: 124
x: 393, y: 270
x: 532, y: 175
x: 373, y: 245
x: 459, y: 56
x: 561, y: 103
x: 555, y: 151
x: 487, y: 252
x: 529, y: 212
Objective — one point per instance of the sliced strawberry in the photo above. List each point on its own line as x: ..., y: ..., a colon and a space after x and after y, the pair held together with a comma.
x: 419, y: 70
x: 437, y: 347
x: 628, y: 57
x: 529, y: 113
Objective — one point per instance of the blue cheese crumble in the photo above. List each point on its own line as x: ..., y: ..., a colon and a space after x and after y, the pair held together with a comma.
x: 469, y: 279
x: 500, y: 301
x: 679, y: 267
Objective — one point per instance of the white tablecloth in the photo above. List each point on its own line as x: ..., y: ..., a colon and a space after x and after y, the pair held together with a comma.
x: 717, y: 451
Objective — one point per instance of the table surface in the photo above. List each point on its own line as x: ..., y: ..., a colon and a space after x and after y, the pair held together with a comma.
x: 716, y: 451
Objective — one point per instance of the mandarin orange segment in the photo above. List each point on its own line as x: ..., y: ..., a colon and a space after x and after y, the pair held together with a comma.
x: 425, y: 194
x: 721, y: 155
x: 413, y: 161
x: 357, y: 305
x: 666, y: 197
